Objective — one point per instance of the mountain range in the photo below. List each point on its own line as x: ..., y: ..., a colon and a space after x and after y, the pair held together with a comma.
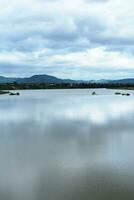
x: 37, y: 79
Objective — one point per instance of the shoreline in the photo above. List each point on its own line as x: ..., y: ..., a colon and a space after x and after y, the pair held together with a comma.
x: 3, y: 92
x: 6, y: 91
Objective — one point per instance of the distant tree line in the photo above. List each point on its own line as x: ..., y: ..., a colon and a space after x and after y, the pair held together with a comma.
x: 17, y: 86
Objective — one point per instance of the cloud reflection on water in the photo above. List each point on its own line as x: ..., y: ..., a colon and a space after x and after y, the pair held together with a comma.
x: 68, y: 147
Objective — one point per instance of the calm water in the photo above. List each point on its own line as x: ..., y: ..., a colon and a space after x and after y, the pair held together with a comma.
x: 67, y: 145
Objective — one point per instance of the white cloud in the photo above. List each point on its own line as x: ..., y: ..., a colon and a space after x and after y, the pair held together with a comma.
x: 90, y: 38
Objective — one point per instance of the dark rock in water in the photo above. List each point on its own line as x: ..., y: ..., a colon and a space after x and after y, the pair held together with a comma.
x: 126, y: 94
x: 94, y: 93
x: 117, y: 93
x: 12, y: 94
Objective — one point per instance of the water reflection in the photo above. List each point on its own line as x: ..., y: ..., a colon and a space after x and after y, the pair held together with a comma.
x: 66, y: 145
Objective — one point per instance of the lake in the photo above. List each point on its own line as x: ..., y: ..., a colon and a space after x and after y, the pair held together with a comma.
x: 67, y: 145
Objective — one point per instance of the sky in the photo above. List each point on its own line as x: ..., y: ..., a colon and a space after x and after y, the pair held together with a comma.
x: 78, y: 39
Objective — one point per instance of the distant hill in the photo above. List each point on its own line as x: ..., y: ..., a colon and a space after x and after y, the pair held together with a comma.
x: 124, y: 81
x: 7, y: 80
x: 120, y: 81
x: 37, y: 79
x: 40, y: 79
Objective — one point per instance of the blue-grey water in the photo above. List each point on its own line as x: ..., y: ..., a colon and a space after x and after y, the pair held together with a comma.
x: 67, y: 145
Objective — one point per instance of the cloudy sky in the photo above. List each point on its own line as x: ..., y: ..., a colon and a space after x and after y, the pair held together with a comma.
x: 79, y: 39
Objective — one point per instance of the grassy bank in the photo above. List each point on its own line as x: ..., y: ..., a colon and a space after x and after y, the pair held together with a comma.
x: 3, y: 92
x: 16, y: 86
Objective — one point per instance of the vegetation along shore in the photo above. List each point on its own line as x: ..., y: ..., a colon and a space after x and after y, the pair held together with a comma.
x: 5, y: 87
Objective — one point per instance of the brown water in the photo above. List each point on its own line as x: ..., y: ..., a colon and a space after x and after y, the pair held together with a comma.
x: 67, y: 145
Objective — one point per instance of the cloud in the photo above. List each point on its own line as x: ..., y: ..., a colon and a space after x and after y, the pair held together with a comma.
x: 48, y: 36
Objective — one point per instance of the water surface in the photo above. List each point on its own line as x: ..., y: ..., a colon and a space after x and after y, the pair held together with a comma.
x: 67, y: 145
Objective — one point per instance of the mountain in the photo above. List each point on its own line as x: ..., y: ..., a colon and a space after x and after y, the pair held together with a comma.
x: 7, y: 80
x: 124, y: 81
x: 37, y: 79
x: 40, y: 79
